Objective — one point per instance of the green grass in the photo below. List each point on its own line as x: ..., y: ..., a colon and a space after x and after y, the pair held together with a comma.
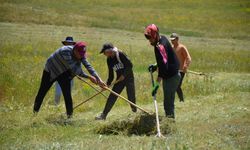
x: 214, y: 116
x: 224, y: 19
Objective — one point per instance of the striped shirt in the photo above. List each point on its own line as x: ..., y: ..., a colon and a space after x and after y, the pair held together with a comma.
x: 62, y: 60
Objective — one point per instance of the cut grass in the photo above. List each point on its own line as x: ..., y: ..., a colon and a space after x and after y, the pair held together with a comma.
x: 217, y: 121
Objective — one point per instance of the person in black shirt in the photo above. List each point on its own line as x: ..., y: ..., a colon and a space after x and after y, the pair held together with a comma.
x: 118, y: 61
x: 168, y: 66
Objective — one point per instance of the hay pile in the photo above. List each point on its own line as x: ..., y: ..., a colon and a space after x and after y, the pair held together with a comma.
x: 140, y: 124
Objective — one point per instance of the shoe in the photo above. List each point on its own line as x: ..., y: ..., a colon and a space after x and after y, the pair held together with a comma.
x: 170, y: 116
x: 133, y: 108
x: 182, y: 100
x: 35, y: 113
x: 102, y: 116
x: 69, y: 120
x: 69, y: 116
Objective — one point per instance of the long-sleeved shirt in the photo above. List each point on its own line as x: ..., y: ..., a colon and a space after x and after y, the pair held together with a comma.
x: 62, y: 60
x: 122, y: 67
x: 167, y: 61
x: 183, y: 57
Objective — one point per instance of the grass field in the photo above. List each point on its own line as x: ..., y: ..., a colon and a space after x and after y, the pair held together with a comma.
x: 217, y: 109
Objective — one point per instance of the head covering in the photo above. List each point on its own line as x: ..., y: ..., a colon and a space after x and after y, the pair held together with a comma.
x: 81, y: 47
x: 174, y: 36
x: 151, y: 31
x: 107, y: 46
x: 69, y: 40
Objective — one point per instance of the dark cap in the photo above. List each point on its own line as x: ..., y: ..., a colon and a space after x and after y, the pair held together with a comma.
x: 174, y: 36
x: 107, y: 46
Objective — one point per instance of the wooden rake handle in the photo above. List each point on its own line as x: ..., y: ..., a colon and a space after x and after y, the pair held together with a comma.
x: 111, y: 91
x: 88, y: 99
x: 196, y: 73
x: 94, y: 95
x: 80, y: 78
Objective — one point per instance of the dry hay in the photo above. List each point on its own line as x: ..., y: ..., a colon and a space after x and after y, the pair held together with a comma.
x: 140, y: 124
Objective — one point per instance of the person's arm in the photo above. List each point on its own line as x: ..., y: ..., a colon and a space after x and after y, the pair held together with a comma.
x: 158, y: 62
x: 111, y: 73
x: 187, y: 58
x: 83, y: 74
x: 67, y: 59
x: 159, y: 79
x: 90, y: 69
x: 127, y: 64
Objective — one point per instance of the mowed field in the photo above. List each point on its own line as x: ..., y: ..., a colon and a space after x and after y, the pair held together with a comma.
x: 215, y: 114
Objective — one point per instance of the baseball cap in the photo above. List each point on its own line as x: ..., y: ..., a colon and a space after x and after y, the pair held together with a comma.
x: 173, y: 36
x: 106, y: 46
x: 81, y: 48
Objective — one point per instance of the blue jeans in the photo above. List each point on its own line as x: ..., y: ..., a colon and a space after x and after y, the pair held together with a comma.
x: 58, y: 91
x: 169, y: 88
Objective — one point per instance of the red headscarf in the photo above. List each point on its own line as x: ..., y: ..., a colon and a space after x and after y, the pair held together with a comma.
x: 81, y: 48
x: 152, y: 31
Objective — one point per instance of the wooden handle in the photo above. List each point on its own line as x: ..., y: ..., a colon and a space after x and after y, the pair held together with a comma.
x: 94, y: 96
x: 87, y: 99
x: 197, y: 73
x: 90, y: 85
x: 127, y: 100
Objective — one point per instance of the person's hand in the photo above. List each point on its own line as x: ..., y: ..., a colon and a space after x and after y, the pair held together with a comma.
x: 121, y: 78
x: 185, y: 69
x: 155, y: 88
x: 102, y: 85
x: 92, y: 79
x: 109, y: 85
x: 100, y: 82
x: 152, y: 68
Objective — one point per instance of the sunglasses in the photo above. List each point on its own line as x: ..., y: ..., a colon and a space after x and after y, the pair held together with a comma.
x: 147, y: 36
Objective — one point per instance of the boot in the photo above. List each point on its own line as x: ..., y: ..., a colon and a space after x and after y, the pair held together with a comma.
x: 102, y: 116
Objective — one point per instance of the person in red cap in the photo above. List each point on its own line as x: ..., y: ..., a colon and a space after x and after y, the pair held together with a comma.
x: 62, y: 66
x: 168, y: 67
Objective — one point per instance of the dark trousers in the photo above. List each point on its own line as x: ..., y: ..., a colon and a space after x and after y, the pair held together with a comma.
x: 64, y: 82
x: 128, y: 82
x: 169, y: 88
x: 179, y: 90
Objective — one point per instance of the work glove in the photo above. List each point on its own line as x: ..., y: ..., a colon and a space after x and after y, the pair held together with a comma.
x: 152, y: 68
x: 155, y: 88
